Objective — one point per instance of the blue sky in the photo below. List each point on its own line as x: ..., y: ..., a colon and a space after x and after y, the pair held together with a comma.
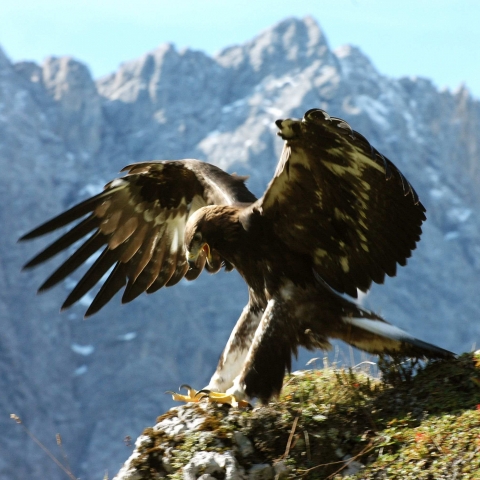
x: 438, y: 39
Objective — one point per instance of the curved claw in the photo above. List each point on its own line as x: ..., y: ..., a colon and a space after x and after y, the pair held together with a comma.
x: 205, y: 391
x: 192, y: 395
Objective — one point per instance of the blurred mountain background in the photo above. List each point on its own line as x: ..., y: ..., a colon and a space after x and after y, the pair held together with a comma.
x: 63, y: 135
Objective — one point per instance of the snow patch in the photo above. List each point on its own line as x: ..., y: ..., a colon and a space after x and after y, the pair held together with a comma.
x: 451, y: 236
x: 326, y: 75
x: 412, y: 127
x: 282, y: 82
x: 232, y: 106
x: 160, y: 116
x: 437, y: 193
x: 459, y: 214
x: 213, y: 133
x: 80, y: 370
x: 84, y: 350
x: 274, y: 112
x: 343, y: 51
x: 376, y: 110
x: 127, y: 337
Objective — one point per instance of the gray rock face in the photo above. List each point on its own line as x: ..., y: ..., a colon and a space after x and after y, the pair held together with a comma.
x: 182, y: 444
x: 62, y: 136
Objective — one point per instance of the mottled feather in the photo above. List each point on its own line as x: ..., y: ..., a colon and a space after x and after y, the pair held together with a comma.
x: 339, y: 200
x: 139, y: 221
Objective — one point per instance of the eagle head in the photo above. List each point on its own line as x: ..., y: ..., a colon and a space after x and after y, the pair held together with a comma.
x: 295, y: 128
x: 289, y: 128
x: 200, y: 241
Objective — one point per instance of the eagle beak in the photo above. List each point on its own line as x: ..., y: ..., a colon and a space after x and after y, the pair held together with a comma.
x: 193, y: 258
x: 206, y: 250
x: 289, y: 128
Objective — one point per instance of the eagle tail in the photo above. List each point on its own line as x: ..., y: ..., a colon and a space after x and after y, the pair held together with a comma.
x: 371, y: 333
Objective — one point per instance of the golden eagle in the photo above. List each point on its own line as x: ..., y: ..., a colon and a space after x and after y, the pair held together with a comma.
x: 336, y: 216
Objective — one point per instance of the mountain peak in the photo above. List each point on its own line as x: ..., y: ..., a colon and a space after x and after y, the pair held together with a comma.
x: 290, y: 45
x: 296, y: 41
x: 294, y: 33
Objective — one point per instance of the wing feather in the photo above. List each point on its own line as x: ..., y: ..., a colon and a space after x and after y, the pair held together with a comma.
x: 80, y: 256
x: 123, y: 233
x: 98, y: 269
x: 69, y: 216
x: 114, y: 283
x: 146, y: 252
x: 339, y: 200
x: 134, y: 243
x: 156, y: 266
x: 178, y: 274
x: 138, y: 225
x: 65, y: 241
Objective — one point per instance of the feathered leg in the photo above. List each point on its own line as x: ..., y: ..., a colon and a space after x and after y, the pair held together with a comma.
x: 230, y: 363
x: 269, y: 356
x: 233, y: 356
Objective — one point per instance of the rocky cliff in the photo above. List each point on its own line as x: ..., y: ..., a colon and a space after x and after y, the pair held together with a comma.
x: 63, y: 135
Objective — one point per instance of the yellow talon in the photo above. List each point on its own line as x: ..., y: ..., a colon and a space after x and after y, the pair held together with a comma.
x: 213, y: 397
x: 228, y: 399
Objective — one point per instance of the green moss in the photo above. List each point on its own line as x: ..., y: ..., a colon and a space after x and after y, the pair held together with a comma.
x: 446, y: 446
x: 403, y: 426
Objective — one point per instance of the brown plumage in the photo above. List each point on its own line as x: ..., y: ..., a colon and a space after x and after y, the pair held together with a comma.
x: 336, y: 216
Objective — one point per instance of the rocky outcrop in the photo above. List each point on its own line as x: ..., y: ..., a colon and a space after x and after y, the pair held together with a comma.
x: 329, y: 423
x: 63, y: 135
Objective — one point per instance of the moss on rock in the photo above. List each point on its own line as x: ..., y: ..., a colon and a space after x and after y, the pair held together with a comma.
x: 415, y: 422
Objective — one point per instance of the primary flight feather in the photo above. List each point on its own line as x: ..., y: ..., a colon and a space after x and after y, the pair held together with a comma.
x: 336, y: 217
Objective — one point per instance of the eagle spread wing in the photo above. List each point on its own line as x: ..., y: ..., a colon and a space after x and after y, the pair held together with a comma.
x: 138, y: 224
x: 336, y: 198
x: 336, y: 216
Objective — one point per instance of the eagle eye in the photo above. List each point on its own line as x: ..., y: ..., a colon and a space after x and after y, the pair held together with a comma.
x: 197, y: 237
